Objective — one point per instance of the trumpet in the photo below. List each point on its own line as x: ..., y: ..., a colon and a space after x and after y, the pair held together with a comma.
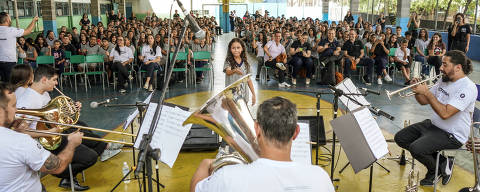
x: 399, y: 91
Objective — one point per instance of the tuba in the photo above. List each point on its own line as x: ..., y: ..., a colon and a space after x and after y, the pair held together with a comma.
x: 472, y: 146
x: 62, y: 110
x: 227, y: 114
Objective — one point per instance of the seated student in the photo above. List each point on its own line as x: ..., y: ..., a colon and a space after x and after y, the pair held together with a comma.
x: 274, y: 171
x: 30, y: 53
x: 59, y: 55
x: 105, y: 50
x: 150, y: 57
x: 402, y: 60
x: 91, y: 49
x: 330, y: 53
x: 21, y: 78
x: 274, y: 49
x: 202, y: 46
x: 258, y: 43
x: 354, y: 55
x: 121, y: 56
x: 301, y: 51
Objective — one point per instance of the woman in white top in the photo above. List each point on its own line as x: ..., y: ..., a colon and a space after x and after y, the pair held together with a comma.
x: 21, y: 77
x: 421, y: 44
x: 121, y: 57
x: 150, y: 57
x: 258, y: 44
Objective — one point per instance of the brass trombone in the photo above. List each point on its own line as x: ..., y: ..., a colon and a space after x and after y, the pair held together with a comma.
x: 399, y: 91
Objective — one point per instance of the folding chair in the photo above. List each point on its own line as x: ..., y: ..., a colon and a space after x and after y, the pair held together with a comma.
x: 74, y: 59
x: 202, y: 55
x: 95, y: 59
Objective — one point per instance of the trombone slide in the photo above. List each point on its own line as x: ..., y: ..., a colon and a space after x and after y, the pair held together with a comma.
x: 87, y: 138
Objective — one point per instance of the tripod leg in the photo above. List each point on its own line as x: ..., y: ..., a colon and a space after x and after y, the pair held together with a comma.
x: 383, y: 167
x: 344, y: 167
x: 123, y: 179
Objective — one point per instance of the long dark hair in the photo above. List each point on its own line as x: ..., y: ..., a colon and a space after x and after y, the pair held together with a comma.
x: 440, y: 42
x: 21, y: 75
x: 154, y: 46
x: 243, y: 55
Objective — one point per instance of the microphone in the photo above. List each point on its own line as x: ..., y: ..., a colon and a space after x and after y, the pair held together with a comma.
x: 95, y: 104
x: 383, y: 113
x: 370, y: 91
x: 199, y: 33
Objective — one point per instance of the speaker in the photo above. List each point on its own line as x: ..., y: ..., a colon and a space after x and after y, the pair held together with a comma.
x: 201, y: 138
x: 313, y: 124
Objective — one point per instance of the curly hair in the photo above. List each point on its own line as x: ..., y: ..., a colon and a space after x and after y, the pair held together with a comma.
x: 243, y: 55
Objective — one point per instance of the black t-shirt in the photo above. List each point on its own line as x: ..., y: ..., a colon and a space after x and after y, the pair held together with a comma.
x: 462, y: 32
x: 85, y: 22
x: 379, y: 52
x: 353, y: 49
x: 332, y: 46
x: 305, y: 47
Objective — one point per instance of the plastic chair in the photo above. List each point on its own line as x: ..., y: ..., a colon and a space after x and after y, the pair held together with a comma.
x: 102, y: 73
x: 42, y: 60
x: 392, y: 64
x: 182, y: 56
x: 20, y: 61
x: 74, y: 59
x: 202, y: 55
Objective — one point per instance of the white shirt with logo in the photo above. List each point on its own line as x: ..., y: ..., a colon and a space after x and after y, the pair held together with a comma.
x: 149, y: 55
x: 21, y: 159
x: 8, y: 39
x: 267, y: 176
x: 460, y: 94
x: 124, y: 55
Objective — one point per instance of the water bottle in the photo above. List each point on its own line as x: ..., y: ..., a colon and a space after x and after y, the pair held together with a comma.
x: 125, y: 170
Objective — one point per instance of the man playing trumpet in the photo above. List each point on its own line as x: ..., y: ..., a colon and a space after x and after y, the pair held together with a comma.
x: 453, y: 100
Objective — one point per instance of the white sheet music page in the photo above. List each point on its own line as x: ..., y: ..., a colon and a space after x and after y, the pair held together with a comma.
x: 372, y: 133
x: 135, y: 113
x: 301, y: 151
x: 147, y: 121
x: 347, y: 86
x: 170, y: 134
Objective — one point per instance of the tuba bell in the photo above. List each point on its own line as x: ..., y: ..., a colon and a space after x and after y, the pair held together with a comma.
x: 227, y: 114
x: 60, y: 109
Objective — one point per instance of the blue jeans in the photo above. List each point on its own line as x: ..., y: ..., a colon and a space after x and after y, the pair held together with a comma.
x: 199, y: 64
x: 381, y: 64
x: 299, y: 62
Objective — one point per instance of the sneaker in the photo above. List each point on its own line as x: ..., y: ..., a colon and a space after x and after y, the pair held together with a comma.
x: 123, y: 91
x: 150, y: 88
x: 114, y: 146
x: 379, y: 81
x: 387, y: 78
x: 145, y: 86
x: 107, y: 154
x: 294, y: 81
x: 366, y: 80
x: 307, y: 81
x: 130, y: 77
x: 284, y: 84
x: 322, y: 63
x: 428, y: 180
x: 447, y: 169
x: 281, y: 66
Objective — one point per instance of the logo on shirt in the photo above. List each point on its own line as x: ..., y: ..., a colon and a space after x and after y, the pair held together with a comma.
x: 444, y: 92
x: 462, y: 95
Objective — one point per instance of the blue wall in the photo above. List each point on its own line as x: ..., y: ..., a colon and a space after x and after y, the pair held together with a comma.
x: 473, y: 52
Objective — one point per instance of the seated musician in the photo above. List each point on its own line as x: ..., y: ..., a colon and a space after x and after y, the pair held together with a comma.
x: 276, y: 128
x: 354, y: 54
x: 22, y: 157
x: 301, y: 52
x: 329, y: 54
x: 36, y: 97
x: 273, y: 49
x: 453, y: 100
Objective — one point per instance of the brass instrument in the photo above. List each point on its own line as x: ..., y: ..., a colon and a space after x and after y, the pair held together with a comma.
x: 473, y: 144
x: 227, y: 114
x: 399, y: 91
x: 60, y: 109
x: 412, y: 185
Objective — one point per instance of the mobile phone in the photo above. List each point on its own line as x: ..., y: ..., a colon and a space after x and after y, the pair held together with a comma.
x: 318, y: 36
x: 301, y: 49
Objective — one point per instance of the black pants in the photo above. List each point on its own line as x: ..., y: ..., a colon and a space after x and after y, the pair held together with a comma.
x: 5, y: 70
x: 281, y: 73
x: 122, y: 72
x: 459, y: 45
x: 150, y: 68
x: 299, y: 62
x: 328, y: 74
x: 367, y: 62
x: 424, y: 140
x: 436, y: 61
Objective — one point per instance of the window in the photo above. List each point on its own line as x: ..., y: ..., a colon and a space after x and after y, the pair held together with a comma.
x: 104, y: 8
x: 81, y: 8
x: 61, y: 9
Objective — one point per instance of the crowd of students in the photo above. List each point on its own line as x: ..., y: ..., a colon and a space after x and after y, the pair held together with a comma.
x: 311, y: 45
x: 125, y: 43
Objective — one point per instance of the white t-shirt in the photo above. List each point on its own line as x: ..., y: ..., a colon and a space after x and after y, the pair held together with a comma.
x: 21, y: 158
x: 124, y: 55
x: 8, y: 39
x: 19, y: 92
x: 267, y: 175
x: 31, y: 99
x: 260, y: 52
x: 399, y: 54
x: 148, y: 54
x: 460, y: 94
x: 274, y: 49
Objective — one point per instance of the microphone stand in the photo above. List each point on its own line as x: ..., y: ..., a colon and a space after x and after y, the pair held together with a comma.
x: 144, y: 147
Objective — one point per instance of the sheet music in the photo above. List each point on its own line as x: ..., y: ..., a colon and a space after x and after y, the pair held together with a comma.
x: 347, y: 86
x: 170, y: 134
x: 147, y: 100
x: 147, y: 121
x: 301, y: 151
x: 372, y: 133
x: 132, y: 116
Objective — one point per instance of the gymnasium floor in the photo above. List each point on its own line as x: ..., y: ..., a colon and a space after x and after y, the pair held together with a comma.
x: 104, y: 175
